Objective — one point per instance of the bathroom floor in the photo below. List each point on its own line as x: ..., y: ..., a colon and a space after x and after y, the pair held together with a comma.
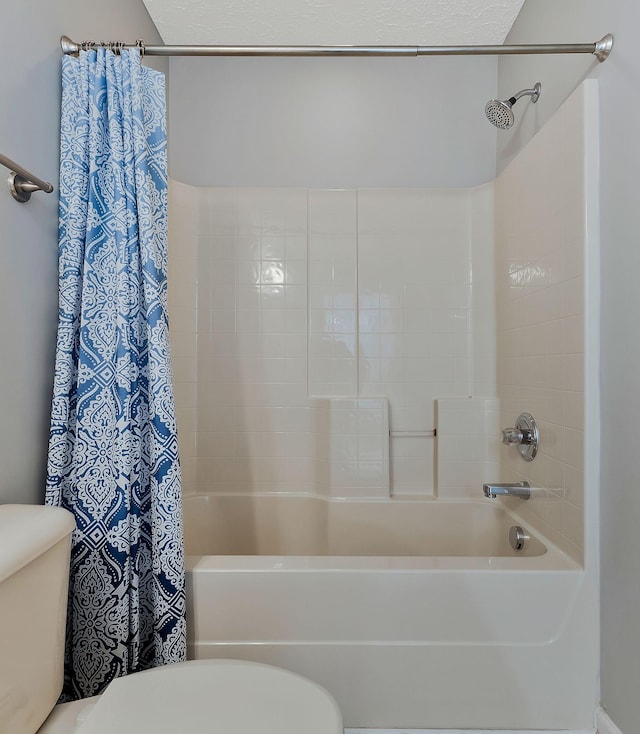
x: 456, y: 731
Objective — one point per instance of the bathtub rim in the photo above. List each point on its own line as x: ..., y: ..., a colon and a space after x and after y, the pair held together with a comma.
x: 553, y: 559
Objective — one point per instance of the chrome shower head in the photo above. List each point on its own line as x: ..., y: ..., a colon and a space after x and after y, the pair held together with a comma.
x: 500, y: 113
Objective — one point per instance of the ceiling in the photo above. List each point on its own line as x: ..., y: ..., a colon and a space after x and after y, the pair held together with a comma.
x: 333, y: 22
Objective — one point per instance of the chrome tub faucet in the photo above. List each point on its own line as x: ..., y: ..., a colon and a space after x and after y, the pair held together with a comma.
x: 519, y: 489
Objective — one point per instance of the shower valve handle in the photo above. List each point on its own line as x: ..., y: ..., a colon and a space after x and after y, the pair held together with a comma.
x: 524, y: 435
x: 516, y: 437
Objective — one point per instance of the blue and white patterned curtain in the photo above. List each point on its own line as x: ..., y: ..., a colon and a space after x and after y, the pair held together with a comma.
x: 113, y: 451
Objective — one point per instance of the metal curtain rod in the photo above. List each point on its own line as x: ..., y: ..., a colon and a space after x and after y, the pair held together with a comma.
x: 22, y: 183
x: 600, y: 49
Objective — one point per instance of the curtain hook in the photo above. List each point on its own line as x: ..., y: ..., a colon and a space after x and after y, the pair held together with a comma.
x: 140, y: 45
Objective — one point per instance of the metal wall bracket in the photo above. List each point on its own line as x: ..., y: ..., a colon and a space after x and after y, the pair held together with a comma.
x: 22, y: 183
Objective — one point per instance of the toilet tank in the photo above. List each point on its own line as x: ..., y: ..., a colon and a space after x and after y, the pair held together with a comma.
x: 35, y: 544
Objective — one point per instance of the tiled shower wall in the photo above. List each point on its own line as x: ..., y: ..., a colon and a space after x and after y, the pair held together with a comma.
x: 313, y: 331
x: 541, y: 212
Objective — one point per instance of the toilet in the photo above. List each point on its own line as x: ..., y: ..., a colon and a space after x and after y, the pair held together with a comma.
x: 230, y: 696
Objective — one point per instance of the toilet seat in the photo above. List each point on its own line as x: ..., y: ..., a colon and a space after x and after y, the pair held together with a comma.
x: 226, y: 696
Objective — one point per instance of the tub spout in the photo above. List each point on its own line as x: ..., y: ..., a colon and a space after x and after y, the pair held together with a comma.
x: 510, y: 489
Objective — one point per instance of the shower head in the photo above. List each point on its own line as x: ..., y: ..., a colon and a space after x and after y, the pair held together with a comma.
x: 500, y: 113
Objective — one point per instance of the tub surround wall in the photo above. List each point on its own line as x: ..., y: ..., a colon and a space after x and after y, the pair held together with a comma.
x: 328, y: 323
x: 183, y: 224
x: 332, y: 292
x: 415, y: 291
x: 468, y: 446
x: 314, y: 329
x: 541, y: 211
x: 404, y: 534
x: 359, y: 447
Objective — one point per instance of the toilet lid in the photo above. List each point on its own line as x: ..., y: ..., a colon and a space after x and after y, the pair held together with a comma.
x: 217, y: 696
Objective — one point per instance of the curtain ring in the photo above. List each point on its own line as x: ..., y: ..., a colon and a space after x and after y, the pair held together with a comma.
x: 140, y: 45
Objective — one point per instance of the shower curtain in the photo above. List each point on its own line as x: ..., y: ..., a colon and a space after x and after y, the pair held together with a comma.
x: 113, y: 451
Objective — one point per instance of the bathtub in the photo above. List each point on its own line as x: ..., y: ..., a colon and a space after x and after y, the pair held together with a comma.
x: 412, y: 613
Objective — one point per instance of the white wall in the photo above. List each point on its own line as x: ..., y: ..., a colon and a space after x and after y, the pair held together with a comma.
x: 619, y: 81
x: 29, y: 134
x: 332, y: 123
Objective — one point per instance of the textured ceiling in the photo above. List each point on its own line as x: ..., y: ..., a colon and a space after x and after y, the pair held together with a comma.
x: 333, y: 22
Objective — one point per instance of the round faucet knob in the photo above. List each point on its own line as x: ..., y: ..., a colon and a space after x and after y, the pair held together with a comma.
x: 525, y: 436
x: 512, y: 436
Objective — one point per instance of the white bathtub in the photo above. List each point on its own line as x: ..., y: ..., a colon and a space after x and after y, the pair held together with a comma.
x: 413, y: 614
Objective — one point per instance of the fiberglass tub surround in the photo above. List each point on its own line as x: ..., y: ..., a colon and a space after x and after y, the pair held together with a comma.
x: 312, y: 350
x: 276, y: 525
x: 319, y: 338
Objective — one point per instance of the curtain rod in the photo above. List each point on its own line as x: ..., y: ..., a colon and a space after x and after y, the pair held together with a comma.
x: 600, y: 49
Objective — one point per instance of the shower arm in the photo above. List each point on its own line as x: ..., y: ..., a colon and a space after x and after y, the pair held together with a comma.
x: 533, y: 93
x: 523, y: 93
x: 600, y: 49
